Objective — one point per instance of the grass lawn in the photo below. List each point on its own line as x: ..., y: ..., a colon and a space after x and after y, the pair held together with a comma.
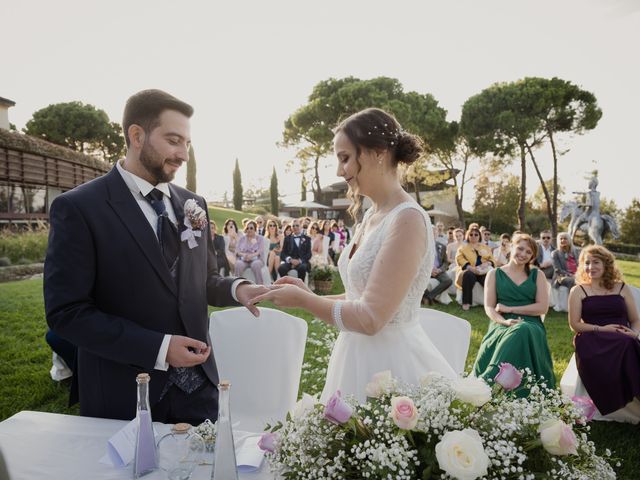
x: 25, y: 358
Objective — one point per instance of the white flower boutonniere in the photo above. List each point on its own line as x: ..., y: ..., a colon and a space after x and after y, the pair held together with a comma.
x: 195, y: 219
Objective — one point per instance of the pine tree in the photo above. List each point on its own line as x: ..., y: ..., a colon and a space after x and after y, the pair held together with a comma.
x: 237, y: 187
x: 273, y: 191
x: 191, y: 170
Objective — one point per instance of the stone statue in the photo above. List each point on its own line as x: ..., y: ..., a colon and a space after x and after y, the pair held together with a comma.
x: 586, y: 216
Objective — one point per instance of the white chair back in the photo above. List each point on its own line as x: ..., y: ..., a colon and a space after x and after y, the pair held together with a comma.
x: 262, y: 359
x: 450, y: 335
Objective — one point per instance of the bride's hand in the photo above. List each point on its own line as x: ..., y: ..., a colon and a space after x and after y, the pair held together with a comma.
x: 282, y: 296
x: 296, y: 282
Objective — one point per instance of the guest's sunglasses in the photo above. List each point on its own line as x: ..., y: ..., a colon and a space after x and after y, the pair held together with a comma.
x: 546, y: 238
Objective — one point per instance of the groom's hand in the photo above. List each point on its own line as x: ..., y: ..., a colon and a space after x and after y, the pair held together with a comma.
x: 186, y: 352
x: 248, y: 291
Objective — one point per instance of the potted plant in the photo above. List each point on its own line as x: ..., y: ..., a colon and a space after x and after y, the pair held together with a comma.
x: 322, y: 276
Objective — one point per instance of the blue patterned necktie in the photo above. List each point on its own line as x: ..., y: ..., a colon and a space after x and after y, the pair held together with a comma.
x: 167, y: 230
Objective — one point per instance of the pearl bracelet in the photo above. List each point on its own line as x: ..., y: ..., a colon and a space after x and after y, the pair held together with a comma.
x: 337, y: 316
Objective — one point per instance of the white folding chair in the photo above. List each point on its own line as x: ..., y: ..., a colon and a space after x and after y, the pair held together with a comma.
x: 325, y: 249
x: 571, y: 384
x: 560, y: 299
x: 477, y: 295
x: 262, y: 359
x: 450, y: 335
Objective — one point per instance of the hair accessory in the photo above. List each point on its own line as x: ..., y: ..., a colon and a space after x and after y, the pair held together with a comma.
x: 337, y: 316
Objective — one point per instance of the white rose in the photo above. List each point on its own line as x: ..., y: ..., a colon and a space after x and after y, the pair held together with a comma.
x: 558, y: 438
x: 304, y: 405
x: 472, y: 390
x: 460, y: 453
x: 381, y: 383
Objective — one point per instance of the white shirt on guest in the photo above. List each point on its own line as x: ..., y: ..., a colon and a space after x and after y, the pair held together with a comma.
x: 139, y: 188
x: 546, y: 253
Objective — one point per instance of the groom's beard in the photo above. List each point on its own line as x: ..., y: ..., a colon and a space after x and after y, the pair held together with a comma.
x: 153, y: 162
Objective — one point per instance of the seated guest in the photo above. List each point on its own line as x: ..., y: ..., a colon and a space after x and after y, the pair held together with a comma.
x: 439, y: 272
x: 474, y: 260
x: 452, y: 248
x: 231, y: 237
x: 344, y: 231
x: 501, y: 254
x: 336, y: 243
x: 318, y: 257
x: 604, y: 317
x: 219, y: 249
x: 486, y: 238
x: 250, y: 252
x: 450, y: 235
x: 260, y: 223
x: 565, y: 262
x: 439, y: 234
x: 545, y: 254
x: 325, y: 228
x: 296, y: 252
x: 274, y: 238
x: 515, y: 296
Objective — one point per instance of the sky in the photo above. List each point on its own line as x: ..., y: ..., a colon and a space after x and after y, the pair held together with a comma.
x: 247, y: 65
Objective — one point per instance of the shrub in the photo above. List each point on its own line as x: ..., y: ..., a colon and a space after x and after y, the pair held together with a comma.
x: 619, y: 247
x: 5, y: 261
x: 30, y: 245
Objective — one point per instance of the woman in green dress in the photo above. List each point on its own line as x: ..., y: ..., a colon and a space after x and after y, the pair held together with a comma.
x: 515, y: 296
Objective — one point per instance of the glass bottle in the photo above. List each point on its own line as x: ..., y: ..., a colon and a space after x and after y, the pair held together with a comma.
x: 224, y: 466
x: 180, y: 452
x: 146, y: 455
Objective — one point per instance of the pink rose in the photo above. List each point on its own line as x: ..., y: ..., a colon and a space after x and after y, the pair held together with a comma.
x: 268, y: 441
x: 403, y: 412
x: 585, y: 405
x: 558, y: 438
x: 509, y: 377
x: 337, y: 410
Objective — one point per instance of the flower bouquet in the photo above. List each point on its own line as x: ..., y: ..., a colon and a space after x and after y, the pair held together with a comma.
x: 442, y: 428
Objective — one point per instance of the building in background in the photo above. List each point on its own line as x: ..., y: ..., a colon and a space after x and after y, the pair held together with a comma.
x: 33, y: 172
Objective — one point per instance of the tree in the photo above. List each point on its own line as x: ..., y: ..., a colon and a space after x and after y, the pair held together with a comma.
x: 539, y: 200
x: 191, y: 170
x: 496, y: 199
x: 498, y: 121
x: 630, y: 224
x: 273, y: 193
x: 452, y: 153
x: 309, y: 129
x: 237, y: 187
x: 78, y: 126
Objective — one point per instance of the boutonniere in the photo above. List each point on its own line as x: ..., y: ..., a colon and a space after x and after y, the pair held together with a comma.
x: 195, y: 219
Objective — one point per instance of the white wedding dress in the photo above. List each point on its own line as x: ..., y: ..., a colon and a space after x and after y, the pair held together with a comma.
x: 384, y: 281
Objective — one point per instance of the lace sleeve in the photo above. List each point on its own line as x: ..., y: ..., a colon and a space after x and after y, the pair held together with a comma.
x: 394, y: 269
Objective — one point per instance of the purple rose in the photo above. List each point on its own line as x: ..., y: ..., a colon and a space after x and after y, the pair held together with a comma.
x: 585, y: 405
x: 509, y: 377
x: 268, y: 441
x: 337, y: 410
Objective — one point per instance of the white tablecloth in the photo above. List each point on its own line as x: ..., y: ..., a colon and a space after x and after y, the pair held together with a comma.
x: 38, y: 445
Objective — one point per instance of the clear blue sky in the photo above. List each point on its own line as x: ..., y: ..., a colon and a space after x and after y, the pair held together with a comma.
x: 246, y: 66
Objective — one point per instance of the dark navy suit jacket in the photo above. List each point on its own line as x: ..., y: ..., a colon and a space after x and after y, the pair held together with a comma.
x: 108, y: 290
x: 290, y: 249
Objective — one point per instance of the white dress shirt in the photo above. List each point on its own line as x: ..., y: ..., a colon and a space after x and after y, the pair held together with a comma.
x: 139, y: 188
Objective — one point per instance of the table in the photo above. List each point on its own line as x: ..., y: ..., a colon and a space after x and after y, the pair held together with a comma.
x: 39, y: 445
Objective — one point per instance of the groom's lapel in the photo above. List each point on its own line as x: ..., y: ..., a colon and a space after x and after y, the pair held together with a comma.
x: 186, y: 254
x: 126, y: 207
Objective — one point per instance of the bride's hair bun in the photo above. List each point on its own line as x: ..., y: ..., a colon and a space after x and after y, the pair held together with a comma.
x: 409, y: 148
x: 375, y: 129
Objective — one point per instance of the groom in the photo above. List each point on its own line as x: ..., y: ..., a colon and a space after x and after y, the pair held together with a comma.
x: 121, y: 285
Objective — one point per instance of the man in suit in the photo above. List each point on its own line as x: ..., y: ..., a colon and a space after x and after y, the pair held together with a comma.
x: 544, y: 260
x: 127, y: 280
x: 260, y: 224
x: 439, y: 272
x: 296, y: 252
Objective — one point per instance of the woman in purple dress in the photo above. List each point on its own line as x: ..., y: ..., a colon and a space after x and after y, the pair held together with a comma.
x: 604, y: 317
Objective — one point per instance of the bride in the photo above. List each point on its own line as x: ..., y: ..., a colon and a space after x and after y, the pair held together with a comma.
x: 385, y: 268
